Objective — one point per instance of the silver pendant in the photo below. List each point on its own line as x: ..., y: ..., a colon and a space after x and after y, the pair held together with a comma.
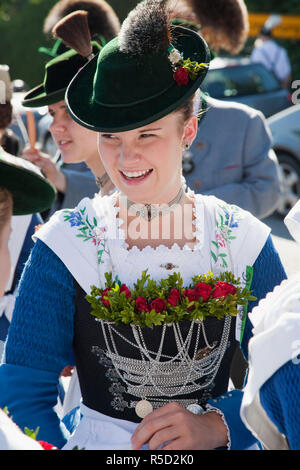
x: 143, y: 408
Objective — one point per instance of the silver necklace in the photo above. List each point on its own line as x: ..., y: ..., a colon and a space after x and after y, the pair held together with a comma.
x: 101, y: 181
x: 150, y: 211
x: 150, y: 377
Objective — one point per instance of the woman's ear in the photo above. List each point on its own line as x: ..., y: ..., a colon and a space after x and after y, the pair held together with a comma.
x: 190, y: 130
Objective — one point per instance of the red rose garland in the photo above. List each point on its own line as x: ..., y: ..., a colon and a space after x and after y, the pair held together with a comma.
x: 152, y: 303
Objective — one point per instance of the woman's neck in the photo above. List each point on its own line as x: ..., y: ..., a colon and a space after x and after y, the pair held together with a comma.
x: 98, y: 170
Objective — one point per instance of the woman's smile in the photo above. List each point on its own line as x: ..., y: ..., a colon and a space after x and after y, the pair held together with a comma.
x: 136, y: 176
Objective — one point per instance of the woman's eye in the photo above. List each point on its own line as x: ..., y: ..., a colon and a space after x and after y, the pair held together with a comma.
x: 145, y: 136
x: 107, y: 136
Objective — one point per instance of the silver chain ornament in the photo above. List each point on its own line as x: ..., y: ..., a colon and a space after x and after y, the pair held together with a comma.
x: 174, y: 376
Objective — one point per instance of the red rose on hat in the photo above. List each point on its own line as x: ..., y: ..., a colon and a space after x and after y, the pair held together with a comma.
x: 222, y: 289
x: 203, y: 290
x: 158, y: 305
x: 141, y: 304
x: 181, y: 76
x: 174, y: 297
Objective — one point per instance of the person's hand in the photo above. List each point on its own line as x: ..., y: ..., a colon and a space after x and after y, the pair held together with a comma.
x: 49, y: 169
x: 172, y: 427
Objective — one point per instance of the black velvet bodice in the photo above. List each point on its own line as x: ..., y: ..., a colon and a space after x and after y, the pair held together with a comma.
x: 102, y: 388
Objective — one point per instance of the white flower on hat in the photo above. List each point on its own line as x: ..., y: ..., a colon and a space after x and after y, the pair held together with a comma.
x: 174, y: 56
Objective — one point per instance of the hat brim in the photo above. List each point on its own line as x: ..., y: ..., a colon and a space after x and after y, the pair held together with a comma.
x: 97, y: 117
x: 31, y: 192
x: 38, y: 97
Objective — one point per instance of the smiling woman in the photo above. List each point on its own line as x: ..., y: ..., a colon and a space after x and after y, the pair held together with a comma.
x: 163, y: 386
x: 145, y: 163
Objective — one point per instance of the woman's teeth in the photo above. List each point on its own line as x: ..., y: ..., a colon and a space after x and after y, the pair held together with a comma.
x: 135, y: 174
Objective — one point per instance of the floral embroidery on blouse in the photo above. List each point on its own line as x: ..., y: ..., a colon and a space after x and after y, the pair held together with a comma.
x: 225, y: 223
x: 88, y: 231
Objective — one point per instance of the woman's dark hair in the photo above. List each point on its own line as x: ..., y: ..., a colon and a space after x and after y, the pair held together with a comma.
x: 187, y: 109
x: 5, y: 114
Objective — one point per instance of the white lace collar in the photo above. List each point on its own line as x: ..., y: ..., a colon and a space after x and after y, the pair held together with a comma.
x: 112, y: 215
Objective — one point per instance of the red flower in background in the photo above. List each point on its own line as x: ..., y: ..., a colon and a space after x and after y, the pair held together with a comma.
x: 222, y: 289
x: 181, y: 76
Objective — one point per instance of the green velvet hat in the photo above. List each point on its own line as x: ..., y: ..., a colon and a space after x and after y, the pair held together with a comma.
x: 135, y: 80
x: 58, y: 74
x: 30, y: 190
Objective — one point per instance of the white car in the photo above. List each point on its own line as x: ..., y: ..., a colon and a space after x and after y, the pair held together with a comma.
x: 285, y: 129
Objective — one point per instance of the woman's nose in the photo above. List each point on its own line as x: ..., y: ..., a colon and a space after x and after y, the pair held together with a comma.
x: 128, y: 155
x: 57, y: 125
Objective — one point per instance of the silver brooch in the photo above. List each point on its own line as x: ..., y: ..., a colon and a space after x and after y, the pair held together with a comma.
x: 169, y: 266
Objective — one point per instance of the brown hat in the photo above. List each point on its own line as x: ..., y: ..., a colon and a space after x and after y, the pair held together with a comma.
x: 102, y: 19
x: 223, y: 23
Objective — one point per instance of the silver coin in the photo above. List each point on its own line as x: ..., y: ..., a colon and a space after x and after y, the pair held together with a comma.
x: 143, y: 408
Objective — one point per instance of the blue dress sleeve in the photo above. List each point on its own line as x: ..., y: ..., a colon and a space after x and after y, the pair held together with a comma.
x: 277, y: 395
x: 268, y: 272
x: 38, y: 345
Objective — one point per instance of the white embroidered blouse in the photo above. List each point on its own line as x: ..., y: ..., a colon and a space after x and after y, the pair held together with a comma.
x: 90, y: 242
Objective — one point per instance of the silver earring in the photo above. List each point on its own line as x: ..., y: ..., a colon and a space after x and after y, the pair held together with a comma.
x: 186, y: 146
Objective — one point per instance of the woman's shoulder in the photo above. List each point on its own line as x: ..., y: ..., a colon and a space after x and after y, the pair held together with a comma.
x: 79, y: 237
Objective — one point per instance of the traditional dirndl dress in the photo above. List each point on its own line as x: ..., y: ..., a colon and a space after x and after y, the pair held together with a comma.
x: 120, y: 366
